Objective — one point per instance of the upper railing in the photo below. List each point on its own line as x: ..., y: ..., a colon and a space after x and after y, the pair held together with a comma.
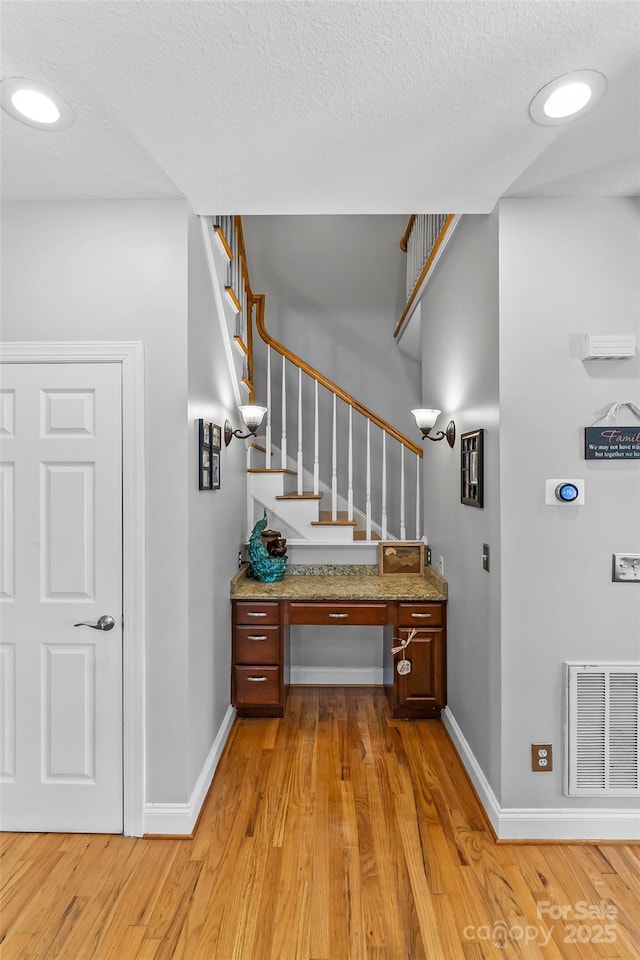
x: 340, y: 433
x: 423, y: 241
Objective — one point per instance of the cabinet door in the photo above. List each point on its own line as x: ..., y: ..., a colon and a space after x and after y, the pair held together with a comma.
x: 425, y: 685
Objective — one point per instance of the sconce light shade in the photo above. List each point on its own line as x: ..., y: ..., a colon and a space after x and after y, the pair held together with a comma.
x: 426, y: 418
x: 252, y: 414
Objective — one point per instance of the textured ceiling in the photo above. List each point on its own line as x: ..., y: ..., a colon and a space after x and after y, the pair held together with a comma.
x: 320, y: 107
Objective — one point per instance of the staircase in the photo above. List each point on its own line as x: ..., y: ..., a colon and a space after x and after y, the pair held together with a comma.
x: 348, y: 478
x: 299, y: 515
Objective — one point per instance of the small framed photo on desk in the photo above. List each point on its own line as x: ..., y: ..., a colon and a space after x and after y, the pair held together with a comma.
x: 401, y: 557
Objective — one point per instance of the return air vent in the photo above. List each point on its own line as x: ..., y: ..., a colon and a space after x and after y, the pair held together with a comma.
x: 603, y: 729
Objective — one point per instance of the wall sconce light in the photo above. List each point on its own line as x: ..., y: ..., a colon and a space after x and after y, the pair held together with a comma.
x: 252, y: 414
x: 426, y: 420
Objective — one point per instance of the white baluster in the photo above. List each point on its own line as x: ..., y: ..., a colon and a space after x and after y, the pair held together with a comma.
x: 403, y: 528
x: 316, y: 445
x: 283, y: 436
x: 334, y: 467
x: 384, y: 485
x: 267, y: 456
x: 299, y: 466
x: 418, y: 534
x: 350, y: 468
x: 368, y: 507
x: 249, y: 497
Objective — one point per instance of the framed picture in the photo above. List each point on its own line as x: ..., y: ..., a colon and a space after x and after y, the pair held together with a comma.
x: 401, y: 557
x: 215, y: 470
x: 472, y: 468
x: 205, y: 455
x: 216, y: 436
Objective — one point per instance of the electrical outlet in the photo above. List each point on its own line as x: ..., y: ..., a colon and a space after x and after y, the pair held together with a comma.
x: 440, y: 566
x: 626, y: 568
x: 427, y: 556
x: 541, y: 757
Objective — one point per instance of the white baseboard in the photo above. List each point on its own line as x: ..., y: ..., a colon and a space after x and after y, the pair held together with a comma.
x: 337, y: 676
x: 179, y: 819
x: 483, y: 788
x: 544, y: 823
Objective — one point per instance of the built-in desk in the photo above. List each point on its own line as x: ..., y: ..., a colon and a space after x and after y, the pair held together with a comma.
x: 339, y: 596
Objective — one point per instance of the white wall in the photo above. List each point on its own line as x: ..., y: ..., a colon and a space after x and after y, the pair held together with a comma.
x: 460, y: 377
x: 216, y: 518
x: 567, y: 267
x: 118, y: 271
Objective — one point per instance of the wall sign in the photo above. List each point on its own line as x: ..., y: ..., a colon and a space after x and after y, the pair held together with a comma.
x: 612, y: 443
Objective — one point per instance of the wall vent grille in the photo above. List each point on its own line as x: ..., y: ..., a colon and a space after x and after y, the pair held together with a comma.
x: 603, y: 729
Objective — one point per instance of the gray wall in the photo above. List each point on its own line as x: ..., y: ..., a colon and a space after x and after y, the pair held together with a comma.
x: 567, y: 267
x: 460, y: 377
x: 118, y: 271
x: 502, y: 323
x: 216, y: 518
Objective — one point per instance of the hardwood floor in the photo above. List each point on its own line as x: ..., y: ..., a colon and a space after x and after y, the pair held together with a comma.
x: 335, y: 833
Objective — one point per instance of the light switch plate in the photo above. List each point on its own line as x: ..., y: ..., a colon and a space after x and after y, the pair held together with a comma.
x: 626, y: 568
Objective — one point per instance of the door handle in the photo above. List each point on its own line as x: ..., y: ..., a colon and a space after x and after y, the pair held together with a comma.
x: 104, y: 623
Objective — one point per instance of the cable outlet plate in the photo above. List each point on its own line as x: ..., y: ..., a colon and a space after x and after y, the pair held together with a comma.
x: 541, y: 757
x: 626, y: 568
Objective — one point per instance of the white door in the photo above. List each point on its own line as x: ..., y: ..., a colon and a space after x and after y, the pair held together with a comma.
x: 61, y: 565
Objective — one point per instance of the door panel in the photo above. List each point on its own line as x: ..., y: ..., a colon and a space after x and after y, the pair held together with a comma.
x: 60, y: 565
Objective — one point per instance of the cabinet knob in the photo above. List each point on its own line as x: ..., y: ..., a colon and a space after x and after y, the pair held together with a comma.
x: 338, y: 616
x: 257, y: 679
x: 421, y: 616
x: 254, y: 637
x: 254, y: 613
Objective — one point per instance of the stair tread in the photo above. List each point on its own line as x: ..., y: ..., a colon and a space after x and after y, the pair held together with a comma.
x: 299, y: 496
x: 291, y: 473
x: 333, y: 523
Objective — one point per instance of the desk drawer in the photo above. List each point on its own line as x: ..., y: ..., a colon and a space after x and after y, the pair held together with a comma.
x: 419, y: 614
x: 256, y: 644
x: 338, y: 613
x: 256, y: 685
x: 256, y: 611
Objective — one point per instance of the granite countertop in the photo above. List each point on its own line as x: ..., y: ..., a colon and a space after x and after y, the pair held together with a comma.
x: 340, y: 582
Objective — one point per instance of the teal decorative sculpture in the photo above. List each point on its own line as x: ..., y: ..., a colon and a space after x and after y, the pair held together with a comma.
x: 263, y: 567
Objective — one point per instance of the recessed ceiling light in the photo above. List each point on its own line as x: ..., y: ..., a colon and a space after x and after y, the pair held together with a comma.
x: 568, y: 97
x: 36, y: 105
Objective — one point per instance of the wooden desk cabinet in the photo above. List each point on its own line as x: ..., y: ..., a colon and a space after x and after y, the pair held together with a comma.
x: 261, y: 669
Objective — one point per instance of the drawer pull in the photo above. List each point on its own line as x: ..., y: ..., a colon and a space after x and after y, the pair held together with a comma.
x: 419, y: 616
x: 255, y: 637
x: 254, y: 613
x: 339, y: 616
x: 257, y: 679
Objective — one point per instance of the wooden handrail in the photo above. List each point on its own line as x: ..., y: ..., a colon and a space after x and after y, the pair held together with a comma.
x: 404, y: 239
x: 332, y: 387
x: 424, y: 271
